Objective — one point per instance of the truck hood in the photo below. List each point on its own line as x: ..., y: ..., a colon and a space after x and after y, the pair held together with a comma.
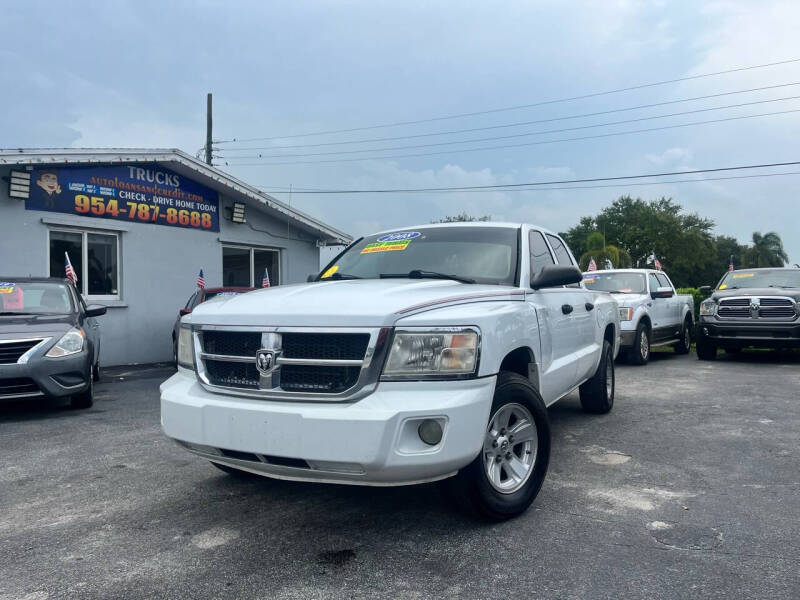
x: 626, y: 300
x: 346, y: 303
x: 16, y: 326
x: 758, y: 292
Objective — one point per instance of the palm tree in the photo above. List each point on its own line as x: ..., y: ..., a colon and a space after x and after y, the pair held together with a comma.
x: 766, y: 251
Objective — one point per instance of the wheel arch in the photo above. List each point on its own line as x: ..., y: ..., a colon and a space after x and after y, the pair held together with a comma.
x: 522, y: 361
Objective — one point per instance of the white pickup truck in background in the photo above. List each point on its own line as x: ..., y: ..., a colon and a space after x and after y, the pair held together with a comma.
x: 424, y: 354
x: 651, y: 312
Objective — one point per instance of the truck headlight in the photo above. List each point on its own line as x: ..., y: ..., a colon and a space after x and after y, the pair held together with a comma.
x: 185, y: 348
x: 626, y: 314
x: 708, y: 308
x: 440, y: 353
x: 70, y: 343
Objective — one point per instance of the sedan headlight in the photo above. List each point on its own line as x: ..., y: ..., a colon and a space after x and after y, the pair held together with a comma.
x: 626, y: 314
x: 185, y: 348
x: 70, y: 343
x: 432, y: 354
x: 708, y: 308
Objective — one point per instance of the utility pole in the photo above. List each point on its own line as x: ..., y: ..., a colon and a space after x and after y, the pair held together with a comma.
x: 208, y: 128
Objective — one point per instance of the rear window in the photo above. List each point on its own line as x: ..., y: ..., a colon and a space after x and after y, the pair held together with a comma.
x: 36, y: 298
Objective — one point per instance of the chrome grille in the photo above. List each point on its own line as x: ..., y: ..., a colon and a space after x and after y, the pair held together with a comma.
x: 330, y: 364
x: 745, y: 307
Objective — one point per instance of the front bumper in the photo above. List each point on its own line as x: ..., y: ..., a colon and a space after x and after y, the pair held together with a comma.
x: 752, y: 332
x: 42, y: 376
x: 370, y: 442
x: 626, y: 338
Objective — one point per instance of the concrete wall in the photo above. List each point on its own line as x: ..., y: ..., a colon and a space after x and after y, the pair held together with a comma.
x: 158, y: 267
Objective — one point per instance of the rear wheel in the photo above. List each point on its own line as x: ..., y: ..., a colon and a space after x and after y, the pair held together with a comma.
x: 685, y: 342
x: 84, y: 399
x: 639, y: 354
x: 508, y: 473
x: 597, y: 394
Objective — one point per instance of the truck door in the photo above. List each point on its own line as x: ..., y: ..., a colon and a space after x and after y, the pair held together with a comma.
x: 585, y: 351
x: 559, y: 336
x: 674, y: 303
x: 660, y: 311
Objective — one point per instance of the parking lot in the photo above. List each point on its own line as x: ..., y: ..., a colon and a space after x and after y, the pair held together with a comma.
x: 689, y: 488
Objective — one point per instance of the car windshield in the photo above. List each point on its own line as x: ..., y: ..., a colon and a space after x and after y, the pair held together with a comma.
x: 480, y: 254
x: 620, y: 283
x: 210, y: 295
x: 34, y: 298
x: 778, y: 278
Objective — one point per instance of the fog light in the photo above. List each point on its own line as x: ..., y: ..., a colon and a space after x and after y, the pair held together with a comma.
x: 430, y: 432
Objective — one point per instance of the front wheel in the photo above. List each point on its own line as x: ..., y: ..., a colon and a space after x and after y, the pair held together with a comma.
x: 705, y: 349
x: 508, y: 473
x: 639, y: 354
x: 84, y: 399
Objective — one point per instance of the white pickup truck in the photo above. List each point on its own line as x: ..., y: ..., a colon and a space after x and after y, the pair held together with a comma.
x: 417, y: 355
x: 651, y: 312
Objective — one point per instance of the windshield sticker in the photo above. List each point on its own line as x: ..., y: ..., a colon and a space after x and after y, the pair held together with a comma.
x: 626, y: 291
x: 227, y: 294
x: 388, y: 246
x: 589, y: 279
x: 330, y: 272
x: 6, y: 287
x: 743, y: 275
x: 723, y: 286
x: 399, y: 236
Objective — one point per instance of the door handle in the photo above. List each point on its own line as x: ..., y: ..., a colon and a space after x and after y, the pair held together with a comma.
x: 589, y: 306
x: 566, y: 308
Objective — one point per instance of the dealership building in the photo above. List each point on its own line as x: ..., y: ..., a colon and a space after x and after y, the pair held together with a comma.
x: 138, y: 226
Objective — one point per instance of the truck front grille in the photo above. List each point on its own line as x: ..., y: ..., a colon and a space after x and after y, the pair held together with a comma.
x: 765, y: 308
x: 11, y: 350
x: 294, y: 363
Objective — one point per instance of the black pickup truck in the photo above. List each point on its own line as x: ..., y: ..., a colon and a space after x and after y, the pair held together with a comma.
x: 750, y: 308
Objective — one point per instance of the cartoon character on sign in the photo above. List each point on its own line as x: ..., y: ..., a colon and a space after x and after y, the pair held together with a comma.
x: 48, y: 181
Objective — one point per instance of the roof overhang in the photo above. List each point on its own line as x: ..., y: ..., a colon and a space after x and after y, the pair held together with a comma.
x: 184, y: 164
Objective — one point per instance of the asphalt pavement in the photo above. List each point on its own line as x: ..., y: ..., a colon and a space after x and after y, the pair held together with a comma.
x: 689, y: 488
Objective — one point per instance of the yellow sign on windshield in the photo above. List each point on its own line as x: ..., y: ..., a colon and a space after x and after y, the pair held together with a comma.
x: 330, y: 272
x: 743, y: 275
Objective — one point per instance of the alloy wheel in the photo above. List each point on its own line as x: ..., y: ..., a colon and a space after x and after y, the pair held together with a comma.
x: 510, y: 448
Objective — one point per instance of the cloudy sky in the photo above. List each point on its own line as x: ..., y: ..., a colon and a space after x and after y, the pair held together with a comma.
x: 135, y: 74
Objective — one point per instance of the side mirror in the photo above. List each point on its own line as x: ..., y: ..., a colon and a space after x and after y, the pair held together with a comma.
x: 705, y: 290
x: 556, y: 275
x: 95, y: 310
x: 662, y: 292
x: 184, y: 311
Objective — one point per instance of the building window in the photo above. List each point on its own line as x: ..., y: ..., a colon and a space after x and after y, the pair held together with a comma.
x: 95, y: 258
x: 245, y: 267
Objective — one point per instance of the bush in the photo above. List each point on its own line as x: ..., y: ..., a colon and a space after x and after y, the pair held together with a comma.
x: 698, y: 298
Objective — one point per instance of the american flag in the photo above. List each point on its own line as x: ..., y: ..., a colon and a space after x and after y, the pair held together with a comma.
x: 265, y: 279
x: 201, y: 281
x: 68, y: 270
x: 592, y: 265
x: 656, y: 262
x: 730, y: 264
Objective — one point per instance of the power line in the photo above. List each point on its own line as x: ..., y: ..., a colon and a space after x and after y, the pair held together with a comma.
x: 519, y: 135
x: 525, y: 144
x: 592, y: 187
x: 517, y: 124
x: 510, y: 186
x: 518, y: 107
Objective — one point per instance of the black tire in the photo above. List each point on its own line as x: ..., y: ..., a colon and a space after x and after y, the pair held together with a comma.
x: 471, y: 488
x: 84, y: 399
x: 96, y: 372
x: 597, y: 394
x: 174, y: 352
x: 639, y: 354
x: 705, y: 349
x: 684, y: 345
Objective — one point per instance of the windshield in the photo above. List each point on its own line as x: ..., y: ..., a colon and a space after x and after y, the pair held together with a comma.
x: 482, y: 254
x: 620, y: 283
x: 39, y: 297
x: 779, y: 278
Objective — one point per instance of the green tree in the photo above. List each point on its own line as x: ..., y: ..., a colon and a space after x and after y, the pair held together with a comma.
x: 463, y: 217
x: 766, y: 251
x: 597, y: 248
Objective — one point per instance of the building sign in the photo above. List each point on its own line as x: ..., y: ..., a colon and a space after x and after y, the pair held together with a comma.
x: 139, y: 193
